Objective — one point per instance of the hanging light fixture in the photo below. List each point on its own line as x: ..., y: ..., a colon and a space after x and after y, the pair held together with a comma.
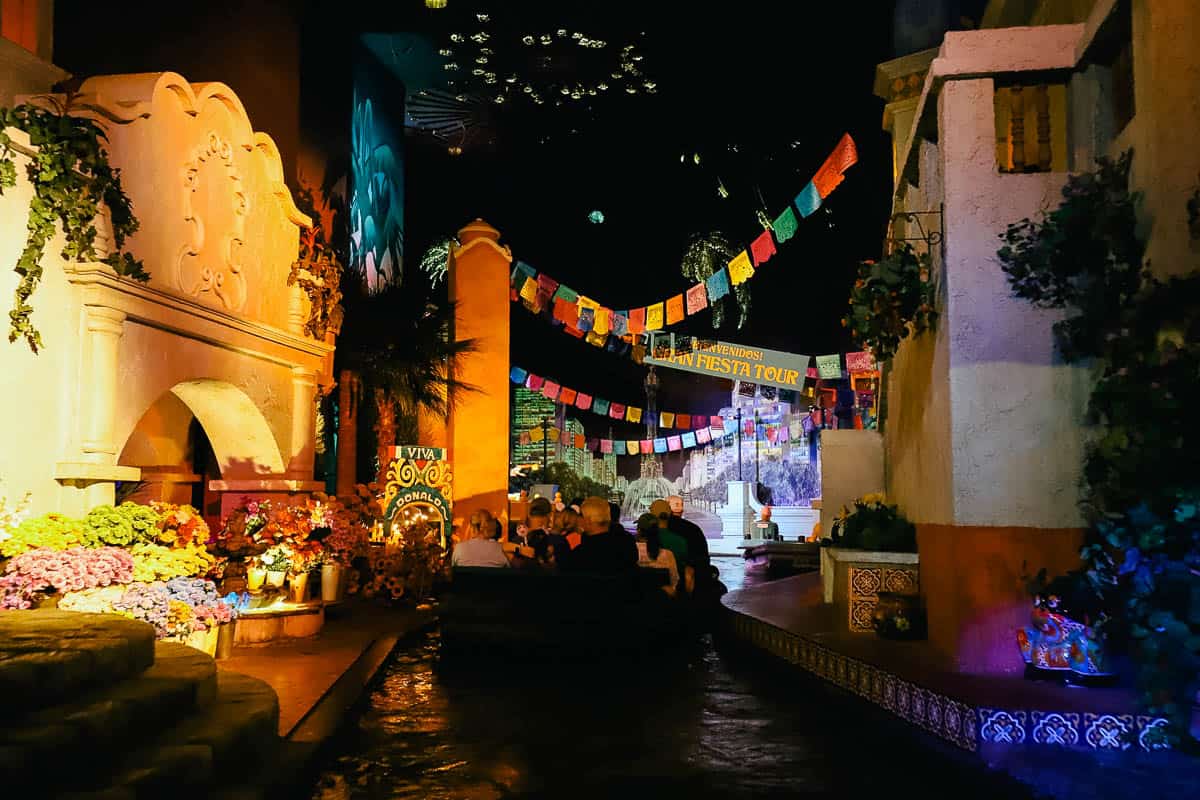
x: 435, y: 3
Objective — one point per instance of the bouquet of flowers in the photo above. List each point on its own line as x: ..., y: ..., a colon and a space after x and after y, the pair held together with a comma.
x: 349, y: 520
x: 179, y: 526
x: 49, y: 531
x: 277, y: 558
x: 180, y: 618
x: 874, y: 525
x: 208, y: 607
x: 285, y: 524
x: 206, y: 617
x: 40, y: 571
x: 307, y: 556
x: 12, y: 517
x: 148, y: 602
x: 154, y: 562
x: 235, y: 540
x: 124, y: 525
x: 102, y: 600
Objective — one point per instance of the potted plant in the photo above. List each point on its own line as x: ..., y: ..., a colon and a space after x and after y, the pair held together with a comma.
x: 872, y: 524
x: 277, y: 561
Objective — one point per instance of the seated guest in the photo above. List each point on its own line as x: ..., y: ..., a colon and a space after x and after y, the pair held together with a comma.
x: 651, y: 553
x: 566, y: 523
x: 697, y: 544
x: 476, y: 548
x: 614, y: 511
x: 602, y: 549
x: 548, y: 545
x: 767, y: 530
x: 673, y: 542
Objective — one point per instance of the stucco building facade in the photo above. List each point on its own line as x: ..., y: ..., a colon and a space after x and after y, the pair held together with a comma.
x: 985, y: 431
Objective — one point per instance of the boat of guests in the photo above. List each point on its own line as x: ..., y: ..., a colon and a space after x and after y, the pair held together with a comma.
x: 572, y: 582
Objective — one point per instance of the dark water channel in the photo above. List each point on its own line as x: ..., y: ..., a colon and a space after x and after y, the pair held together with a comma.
x: 708, y: 725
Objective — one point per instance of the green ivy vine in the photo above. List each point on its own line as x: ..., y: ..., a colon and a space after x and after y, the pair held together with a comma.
x: 1142, y: 471
x: 71, y: 178
x: 892, y: 299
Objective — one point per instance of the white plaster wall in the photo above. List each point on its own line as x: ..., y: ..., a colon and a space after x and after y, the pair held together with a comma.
x: 917, y: 430
x: 37, y: 392
x: 1016, y: 411
x: 851, y: 466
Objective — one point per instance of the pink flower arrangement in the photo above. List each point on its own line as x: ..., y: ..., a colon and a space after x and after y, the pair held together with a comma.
x: 207, y: 617
x: 40, y: 571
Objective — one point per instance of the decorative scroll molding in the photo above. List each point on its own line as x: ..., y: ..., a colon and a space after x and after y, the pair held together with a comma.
x: 121, y: 99
x: 206, y: 266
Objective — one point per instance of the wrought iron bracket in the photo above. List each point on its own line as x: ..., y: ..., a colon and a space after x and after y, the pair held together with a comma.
x: 920, y: 226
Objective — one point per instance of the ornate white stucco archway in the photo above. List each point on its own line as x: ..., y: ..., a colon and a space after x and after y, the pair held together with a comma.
x: 217, y: 326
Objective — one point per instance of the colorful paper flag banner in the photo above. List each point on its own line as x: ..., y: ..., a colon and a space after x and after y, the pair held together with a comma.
x: 829, y: 366
x: 538, y: 291
x: 860, y: 362
x: 740, y: 269
x: 762, y: 248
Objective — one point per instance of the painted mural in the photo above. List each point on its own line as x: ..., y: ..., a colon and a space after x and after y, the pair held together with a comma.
x: 377, y: 174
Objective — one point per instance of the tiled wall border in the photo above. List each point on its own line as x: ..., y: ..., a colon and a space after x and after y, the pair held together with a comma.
x: 963, y: 725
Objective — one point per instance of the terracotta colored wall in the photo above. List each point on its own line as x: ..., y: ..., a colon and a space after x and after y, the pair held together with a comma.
x: 971, y: 581
x: 478, y: 428
x: 29, y: 23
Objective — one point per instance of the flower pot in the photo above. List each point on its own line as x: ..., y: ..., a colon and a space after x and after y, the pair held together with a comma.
x: 331, y: 582
x: 275, y: 579
x: 204, y: 641
x: 225, y: 637
x: 255, y: 578
x: 298, y: 587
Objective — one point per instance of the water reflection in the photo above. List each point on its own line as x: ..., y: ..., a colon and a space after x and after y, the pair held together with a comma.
x: 703, y: 726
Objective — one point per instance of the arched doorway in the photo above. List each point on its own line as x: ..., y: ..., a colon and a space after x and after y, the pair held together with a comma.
x: 197, y: 432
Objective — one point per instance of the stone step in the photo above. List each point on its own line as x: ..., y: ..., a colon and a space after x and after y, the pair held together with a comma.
x: 91, y: 731
x: 47, y: 655
x: 241, y: 725
x: 223, y: 743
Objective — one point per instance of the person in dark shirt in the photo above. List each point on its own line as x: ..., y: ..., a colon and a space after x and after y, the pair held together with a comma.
x: 697, y: 542
x: 602, y: 549
x: 548, y: 546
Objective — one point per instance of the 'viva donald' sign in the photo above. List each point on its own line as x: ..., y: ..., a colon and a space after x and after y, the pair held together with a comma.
x: 419, y: 476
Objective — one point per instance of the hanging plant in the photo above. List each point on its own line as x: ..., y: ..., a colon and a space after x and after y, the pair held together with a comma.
x: 891, y: 300
x: 1142, y: 471
x: 318, y: 271
x: 71, y: 178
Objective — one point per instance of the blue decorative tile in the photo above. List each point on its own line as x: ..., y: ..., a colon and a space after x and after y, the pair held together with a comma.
x: 933, y: 712
x: 1147, y: 728
x: 1053, y: 728
x: 889, y: 692
x: 1001, y: 727
x: 903, y: 699
x: 1107, y: 732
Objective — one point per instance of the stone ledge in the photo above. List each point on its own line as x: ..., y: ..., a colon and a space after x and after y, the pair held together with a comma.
x: 90, y: 472
x: 977, y: 713
x: 266, y: 485
x: 47, y: 655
